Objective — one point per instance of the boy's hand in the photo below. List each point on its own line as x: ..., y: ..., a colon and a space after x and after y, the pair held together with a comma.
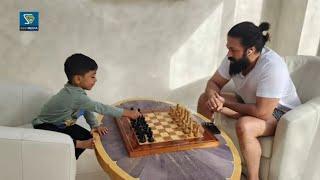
x: 101, y: 130
x: 132, y: 114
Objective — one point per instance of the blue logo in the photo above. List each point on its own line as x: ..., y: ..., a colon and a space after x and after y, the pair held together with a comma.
x: 29, y: 21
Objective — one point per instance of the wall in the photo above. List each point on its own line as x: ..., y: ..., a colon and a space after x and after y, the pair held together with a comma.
x: 144, y: 48
x: 131, y: 40
x: 290, y: 25
x: 310, y: 36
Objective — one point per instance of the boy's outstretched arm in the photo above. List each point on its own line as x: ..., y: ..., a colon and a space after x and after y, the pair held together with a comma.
x: 91, y: 119
x: 87, y: 104
x: 132, y: 114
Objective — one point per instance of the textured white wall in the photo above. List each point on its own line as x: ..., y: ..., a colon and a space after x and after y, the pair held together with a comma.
x: 142, y: 47
x: 289, y: 28
x: 131, y: 40
x: 310, y: 36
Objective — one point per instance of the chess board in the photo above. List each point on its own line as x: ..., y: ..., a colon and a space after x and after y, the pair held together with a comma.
x: 164, y: 128
x: 168, y: 136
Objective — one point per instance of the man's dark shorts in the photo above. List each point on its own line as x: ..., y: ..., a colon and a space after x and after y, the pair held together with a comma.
x: 278, y: 112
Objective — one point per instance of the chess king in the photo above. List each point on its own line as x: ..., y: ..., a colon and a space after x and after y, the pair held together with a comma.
x: 264, y: 89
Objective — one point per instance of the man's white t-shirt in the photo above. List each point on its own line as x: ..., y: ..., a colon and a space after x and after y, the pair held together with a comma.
x: 269, y: 78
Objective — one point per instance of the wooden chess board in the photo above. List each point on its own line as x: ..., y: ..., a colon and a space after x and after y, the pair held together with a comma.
x: 164, y: 128
x: 168, y: 136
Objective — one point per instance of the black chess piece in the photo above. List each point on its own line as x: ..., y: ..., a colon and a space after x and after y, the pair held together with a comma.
x: 211, y: 127
x: 133, y: 123
x: 150, y: 135
x: 138, y: 133
x: 143, y: 119
x: 150, y: 139
x: 142, y: 139
x: 145, y: 128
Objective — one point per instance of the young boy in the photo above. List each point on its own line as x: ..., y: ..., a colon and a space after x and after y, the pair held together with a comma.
x: 62, y: 110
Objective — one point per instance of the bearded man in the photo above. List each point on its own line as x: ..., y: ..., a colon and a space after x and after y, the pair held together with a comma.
x: 264, y: 90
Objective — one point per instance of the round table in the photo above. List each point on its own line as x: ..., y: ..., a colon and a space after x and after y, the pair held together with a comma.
x: 222, y: 162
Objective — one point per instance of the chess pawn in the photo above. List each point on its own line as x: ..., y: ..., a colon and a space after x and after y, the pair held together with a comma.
x: 173, y: 114
x: 176, y: 110
x: 170, y: 111
x: 185, y: 121
x: 201, y: 131
x: 177, y: 107
x: 187, y: 131
x: 189, y: 124
x: 180, y: 112
x: 185, y: 128
x: 195, y: 129
x: 183, y: 114
x: 191, y: 128
x: 179, y: 122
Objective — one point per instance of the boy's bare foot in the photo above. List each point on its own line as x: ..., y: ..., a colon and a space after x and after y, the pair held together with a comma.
x: 84, y: 144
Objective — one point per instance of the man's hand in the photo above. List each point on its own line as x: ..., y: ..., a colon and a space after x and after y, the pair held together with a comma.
x: 215, y: 103
x: 102, y: 130
x: 132, y: 114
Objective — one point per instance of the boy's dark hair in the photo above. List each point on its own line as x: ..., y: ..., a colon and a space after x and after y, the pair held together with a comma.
x: 78, y: 64
x: 250, y: 34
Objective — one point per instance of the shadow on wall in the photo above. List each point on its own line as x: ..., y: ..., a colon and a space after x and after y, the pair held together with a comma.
x: 188, y: 95
x: 204, y: 49
x: 198, y: 55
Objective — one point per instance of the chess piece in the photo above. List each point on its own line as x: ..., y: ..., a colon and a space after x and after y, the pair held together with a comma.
x: 151, y: 139
x: 142, y: 139
x: 189, y: 122
x: 170, y: 111
x: 177, y: 107
x: 200, y: 131
x: 195, y: 129
x: 150, y: 135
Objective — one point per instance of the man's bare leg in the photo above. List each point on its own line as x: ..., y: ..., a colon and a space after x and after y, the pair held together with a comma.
x: 206, y: 112
x: 248, y: 129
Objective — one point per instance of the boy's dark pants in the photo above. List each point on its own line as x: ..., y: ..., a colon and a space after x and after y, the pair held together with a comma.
x: 75, y: 131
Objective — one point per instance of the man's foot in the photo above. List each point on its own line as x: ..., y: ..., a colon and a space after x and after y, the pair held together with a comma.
x: 85, y: 144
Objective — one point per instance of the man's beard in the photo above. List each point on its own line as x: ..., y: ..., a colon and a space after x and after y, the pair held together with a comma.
x: 236, y: 66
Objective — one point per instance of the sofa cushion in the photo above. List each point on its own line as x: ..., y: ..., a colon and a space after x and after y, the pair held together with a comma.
x: 304, y: 71
x: 87, y: 164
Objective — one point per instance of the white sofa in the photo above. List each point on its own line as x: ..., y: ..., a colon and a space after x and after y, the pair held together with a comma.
x: 31, y: 154
x: 292, y: 152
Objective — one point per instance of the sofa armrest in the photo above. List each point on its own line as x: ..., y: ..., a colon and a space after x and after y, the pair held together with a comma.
x: 293, y: 139
x: 36, y: 154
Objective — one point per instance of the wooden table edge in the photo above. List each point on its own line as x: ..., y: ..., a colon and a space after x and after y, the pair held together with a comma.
x: 236, y: 174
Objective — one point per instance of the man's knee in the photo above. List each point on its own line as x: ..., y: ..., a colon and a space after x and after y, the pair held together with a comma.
x: 202, y: 101
x: 243, y: 127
